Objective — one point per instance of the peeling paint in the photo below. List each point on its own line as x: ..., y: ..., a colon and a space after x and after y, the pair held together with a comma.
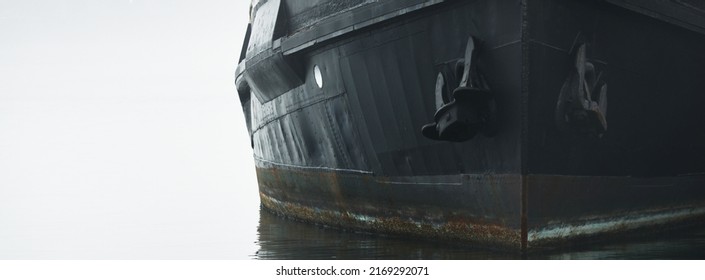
x: 470, y: 233
x: 484, y: 210
x: 614, y: 224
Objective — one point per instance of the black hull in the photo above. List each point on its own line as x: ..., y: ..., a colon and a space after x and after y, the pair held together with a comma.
x: 350, y: 152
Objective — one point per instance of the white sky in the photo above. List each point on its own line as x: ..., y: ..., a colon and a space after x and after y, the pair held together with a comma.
x: 121, y: 136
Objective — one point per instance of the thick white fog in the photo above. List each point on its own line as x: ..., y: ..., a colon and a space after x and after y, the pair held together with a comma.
x: 121, y: 135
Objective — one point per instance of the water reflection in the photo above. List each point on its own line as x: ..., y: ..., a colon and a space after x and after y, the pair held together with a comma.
x: 689, y: 245
x: 281, y: 238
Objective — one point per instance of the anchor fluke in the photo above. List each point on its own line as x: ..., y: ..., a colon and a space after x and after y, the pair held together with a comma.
x: 582, y: 102
x: 471, y: 109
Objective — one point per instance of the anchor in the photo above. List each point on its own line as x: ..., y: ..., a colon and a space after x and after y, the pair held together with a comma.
x: 582, y: 103
x: 469, y: 110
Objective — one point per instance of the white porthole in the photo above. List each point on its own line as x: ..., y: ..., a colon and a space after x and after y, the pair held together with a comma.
x: 318, y: 76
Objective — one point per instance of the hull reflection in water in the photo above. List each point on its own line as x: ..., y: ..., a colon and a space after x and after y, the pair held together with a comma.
x: 282, y: 238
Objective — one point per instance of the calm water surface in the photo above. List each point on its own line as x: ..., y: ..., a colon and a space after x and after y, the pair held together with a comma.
x: 281, y: 238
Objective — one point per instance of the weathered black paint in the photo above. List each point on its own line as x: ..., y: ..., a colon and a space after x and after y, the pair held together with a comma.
x: 351, y: 152
x: 654, y: 71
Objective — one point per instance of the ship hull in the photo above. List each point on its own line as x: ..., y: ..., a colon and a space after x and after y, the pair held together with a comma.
x: 344, y: 146
x: 474, y: 209
x: 485, y: 210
